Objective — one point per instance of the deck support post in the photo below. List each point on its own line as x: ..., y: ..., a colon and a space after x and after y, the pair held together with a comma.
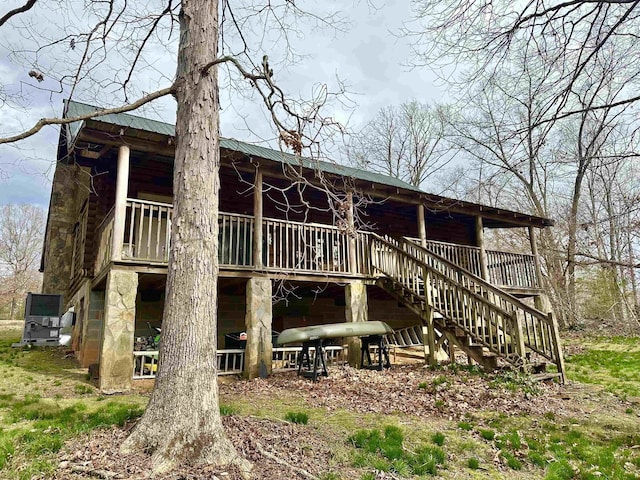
x: 257, y: 220
x: 356, y: 310
x: 120, y: 208
x: 422, y: 226
x: 557, y: 347
x: 258, y: 353
x: 429, y: 337
x: 351, y: 234
x: 484, y: 268
x: 116, y: 349
x: 536, y: 258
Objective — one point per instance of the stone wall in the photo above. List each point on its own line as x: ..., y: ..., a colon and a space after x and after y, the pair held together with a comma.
x: 92, y: 331
x: 68, y: 191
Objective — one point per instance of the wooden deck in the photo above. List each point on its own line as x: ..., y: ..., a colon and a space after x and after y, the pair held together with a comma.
x: 288, y: 248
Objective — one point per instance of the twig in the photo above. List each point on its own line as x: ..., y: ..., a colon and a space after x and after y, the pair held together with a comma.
x: 95, y: 472
x: 271, y: 456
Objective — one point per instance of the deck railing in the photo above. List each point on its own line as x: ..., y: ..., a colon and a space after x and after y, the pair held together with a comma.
x: 505, y: 269
x: 79, y: 239
x: 512, y: 269
x: 231, y: 361
x: 291, y: 246
x: 147, y: 231
x: 105, y: 241
x: 287, y: 246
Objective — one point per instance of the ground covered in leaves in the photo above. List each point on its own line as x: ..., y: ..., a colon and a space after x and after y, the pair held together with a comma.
x: 458, y: 403
x: 404, y: 423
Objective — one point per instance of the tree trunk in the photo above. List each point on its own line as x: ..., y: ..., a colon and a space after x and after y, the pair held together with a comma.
x: 182, y: 421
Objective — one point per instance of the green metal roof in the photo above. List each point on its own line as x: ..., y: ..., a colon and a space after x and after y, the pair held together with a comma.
x: 74, y: 109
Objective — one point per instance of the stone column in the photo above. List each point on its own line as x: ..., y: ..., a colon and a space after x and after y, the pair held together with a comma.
x: 116, y: 351
x: 258, y: 353
x: 357, y: 310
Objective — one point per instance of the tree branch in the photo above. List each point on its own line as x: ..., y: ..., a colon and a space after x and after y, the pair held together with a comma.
x: 98, y: 113
x: 16, y: 11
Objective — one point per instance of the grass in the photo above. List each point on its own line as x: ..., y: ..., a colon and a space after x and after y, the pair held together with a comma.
x: 301, y: 418
x: 385, y: 451
x: 45, y: 402
x: 617, y: 371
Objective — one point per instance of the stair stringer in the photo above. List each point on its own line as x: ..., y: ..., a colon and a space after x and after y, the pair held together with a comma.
x: 473, y: 346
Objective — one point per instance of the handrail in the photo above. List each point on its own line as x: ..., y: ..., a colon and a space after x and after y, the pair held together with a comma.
x: 538, y: 328
x: 457, y: 304
x: 489, y: 286
x: 505, y: 311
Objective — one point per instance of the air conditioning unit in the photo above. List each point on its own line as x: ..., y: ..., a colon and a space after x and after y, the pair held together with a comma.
x: 42, y: 320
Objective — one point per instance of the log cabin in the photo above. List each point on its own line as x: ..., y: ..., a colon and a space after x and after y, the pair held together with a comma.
x: 301, y: 242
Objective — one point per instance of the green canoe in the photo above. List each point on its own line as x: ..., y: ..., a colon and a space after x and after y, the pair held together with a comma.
x: 332, y: 330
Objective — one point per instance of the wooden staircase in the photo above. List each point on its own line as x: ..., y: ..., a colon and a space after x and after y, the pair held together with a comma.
x: 461, y: 308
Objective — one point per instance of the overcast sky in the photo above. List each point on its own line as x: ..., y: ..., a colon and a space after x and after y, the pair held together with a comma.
x: 368, y: 57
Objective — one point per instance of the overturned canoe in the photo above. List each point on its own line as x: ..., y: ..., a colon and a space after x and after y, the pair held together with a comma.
x: 332, y: 330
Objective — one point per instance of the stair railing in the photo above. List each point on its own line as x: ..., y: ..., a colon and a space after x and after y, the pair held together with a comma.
x: 457, y: 288
x: 459, y: 305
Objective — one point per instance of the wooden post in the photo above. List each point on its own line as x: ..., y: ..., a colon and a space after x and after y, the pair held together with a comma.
x: 257, y: 220
x: 429, y: 337
x: 484, y: 269
x: 557, y: 346
x: 351, y: 227
x: 120, y: 208
x: 536, y: 258
x: 520, y: 346
x: 422, y: 226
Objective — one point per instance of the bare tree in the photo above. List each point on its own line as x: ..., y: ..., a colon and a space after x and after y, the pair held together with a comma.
x: 21, y: 237
x: 526, y: 155
x: 481, y: 37
x: 407, y: 142
x: 103, y: 53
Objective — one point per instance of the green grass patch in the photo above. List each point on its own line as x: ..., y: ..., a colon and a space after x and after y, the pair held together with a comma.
x: 384, y: 451
x: 297, y: 417
x: 616, y: 369
x: 226, y: 409
x: 438, y: 438
x: 487, y: 434
x: 473, y: 463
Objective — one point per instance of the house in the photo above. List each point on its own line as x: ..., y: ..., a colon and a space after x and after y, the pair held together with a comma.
x: 300, y: 243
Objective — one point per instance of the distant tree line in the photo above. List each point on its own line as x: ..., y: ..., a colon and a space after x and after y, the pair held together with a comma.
x: 21, y: 235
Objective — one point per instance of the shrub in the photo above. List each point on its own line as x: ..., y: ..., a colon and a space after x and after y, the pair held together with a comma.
x: 473, y: 463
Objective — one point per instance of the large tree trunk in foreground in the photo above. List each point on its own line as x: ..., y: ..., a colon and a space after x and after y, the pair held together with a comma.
x: 182, y: 421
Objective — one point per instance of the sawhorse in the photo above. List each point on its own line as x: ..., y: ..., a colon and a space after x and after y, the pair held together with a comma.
x: 383, y: 353
x: 318, y: 360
